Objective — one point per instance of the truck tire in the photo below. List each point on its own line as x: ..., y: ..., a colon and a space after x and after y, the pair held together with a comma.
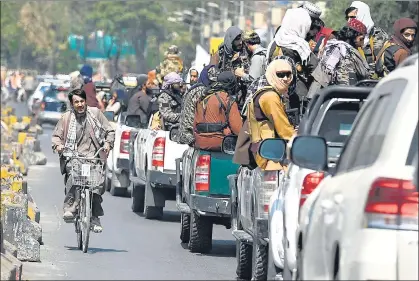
x: 185, y: 220
x: 259, y: 261
x: 153, y: 212
x: 244, y: 260
x: 138, y: 194
x: 200, y: 234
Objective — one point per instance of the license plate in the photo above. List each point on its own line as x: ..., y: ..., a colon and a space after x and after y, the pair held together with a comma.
x: 85, y: 170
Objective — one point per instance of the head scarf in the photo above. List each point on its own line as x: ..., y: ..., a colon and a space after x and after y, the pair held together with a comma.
x: 170, y: 79
x: 364, y: 16
x: 326, y: 32
x: 207, y: 75
x: 295, y: 26
x: 357, y: 25
x: 226, y: 81
x: 313, y: 10
x: 398, y: 26
x: 231, y: 34
x: 278, y: 84
x: 87, y: 72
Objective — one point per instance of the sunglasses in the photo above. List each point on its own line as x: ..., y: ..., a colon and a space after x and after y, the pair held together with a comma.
x: 350, y: 17
x: 284, y: 74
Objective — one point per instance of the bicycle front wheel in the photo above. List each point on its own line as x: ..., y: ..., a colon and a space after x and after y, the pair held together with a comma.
x: 86, y: 220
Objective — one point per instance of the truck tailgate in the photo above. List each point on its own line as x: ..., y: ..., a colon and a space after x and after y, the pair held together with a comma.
x: 221, y: 166
x: 172, y: 151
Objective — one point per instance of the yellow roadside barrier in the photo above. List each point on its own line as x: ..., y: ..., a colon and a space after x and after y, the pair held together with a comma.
x: 12, y: 120
x: 5, y: 119
x: 26, y: 120
x: 21, y: 137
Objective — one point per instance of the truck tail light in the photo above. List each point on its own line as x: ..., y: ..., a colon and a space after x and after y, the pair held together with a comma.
x: 267, y: 187
x: 202, y: 173
x: 392, y: 204
x: 311, y: 181
x: 124, y: 145
x: 158, y: 152
x: 43, y: 106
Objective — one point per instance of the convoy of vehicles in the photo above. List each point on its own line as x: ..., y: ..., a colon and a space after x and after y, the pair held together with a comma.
x: 343, y: 208
x: 331, y: 116
x: 291, y: 224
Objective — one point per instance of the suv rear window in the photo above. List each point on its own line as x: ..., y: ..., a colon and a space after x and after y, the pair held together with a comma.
x: 337, y: 123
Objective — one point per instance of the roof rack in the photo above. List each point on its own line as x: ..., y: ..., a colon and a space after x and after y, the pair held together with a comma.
x: 367, y: 83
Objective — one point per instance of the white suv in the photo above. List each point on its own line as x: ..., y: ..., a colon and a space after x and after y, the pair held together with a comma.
x: 363, y: 223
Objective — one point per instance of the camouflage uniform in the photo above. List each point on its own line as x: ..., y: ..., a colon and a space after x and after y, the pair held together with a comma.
x: 230, y: 63
x: 347, y: 72
x: 169, y: 108
x: 186, y: 134
x: 171, y: 63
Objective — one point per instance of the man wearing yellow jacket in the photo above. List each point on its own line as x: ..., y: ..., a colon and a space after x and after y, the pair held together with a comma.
x: 266, y: 113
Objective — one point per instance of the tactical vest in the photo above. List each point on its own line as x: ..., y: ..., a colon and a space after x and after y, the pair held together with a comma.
x: 381, y: 69
x: 208, y: 127
x: 260, y: 127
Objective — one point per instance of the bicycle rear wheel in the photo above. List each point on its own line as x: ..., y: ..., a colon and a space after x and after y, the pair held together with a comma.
x: 86, y: 220
x: 78, y: 231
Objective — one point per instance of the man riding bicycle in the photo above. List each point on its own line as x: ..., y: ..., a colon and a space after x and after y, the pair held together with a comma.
x: 82, y: 130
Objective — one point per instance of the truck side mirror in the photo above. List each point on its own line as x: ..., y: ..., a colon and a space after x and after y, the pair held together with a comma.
x: 228, y: 145
x: 273, y: 149
x: 309, y: 152
x: 174, y: 131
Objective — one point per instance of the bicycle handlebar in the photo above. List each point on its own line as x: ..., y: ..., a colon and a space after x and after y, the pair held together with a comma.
x: 79, y: 157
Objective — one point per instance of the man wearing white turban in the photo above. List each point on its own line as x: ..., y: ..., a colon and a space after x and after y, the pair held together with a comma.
x: 376, y: 35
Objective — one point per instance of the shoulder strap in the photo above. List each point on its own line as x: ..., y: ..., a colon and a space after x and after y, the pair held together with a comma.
x: 66, y: 121
x: 372, y: 48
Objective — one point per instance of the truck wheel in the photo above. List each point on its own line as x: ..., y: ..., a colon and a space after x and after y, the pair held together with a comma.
x: 200, y: 234
x: 185, y: 220
x: 138, y: 194
x: 244, y: 260
x: 153, y: 212
x: 259, y: 261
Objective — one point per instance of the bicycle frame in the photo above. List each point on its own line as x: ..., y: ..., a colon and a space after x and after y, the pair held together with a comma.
x: 84, y: 194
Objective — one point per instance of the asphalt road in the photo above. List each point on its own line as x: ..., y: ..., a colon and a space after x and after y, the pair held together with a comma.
x: 130, y: 247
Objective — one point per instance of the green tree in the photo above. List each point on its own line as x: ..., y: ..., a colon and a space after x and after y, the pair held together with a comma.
x: 47, y: 26
x: 11, y: 31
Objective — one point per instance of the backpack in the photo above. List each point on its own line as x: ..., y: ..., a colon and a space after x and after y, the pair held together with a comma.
x: 262, y: 53
x: 380, y: 68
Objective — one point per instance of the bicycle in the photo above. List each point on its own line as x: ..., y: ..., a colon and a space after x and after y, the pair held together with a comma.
x: 86, y: 175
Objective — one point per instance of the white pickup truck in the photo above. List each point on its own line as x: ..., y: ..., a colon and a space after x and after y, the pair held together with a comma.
x: 153, y: 174
x: 117, y: 165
